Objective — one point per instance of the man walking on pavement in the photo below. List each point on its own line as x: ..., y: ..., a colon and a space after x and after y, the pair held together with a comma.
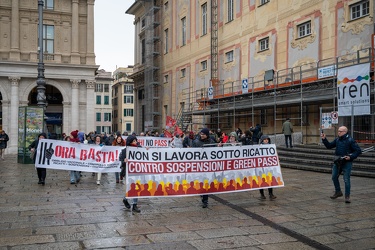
x: 287, y: 131
x: 346, y: 151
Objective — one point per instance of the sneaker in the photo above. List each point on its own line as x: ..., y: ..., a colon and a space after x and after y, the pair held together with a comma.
x: 72, y: 182
x: 272, y: 197
x: 98, y: 182
x: 117, y: 181
x: 336, y: 195
x: 136, y: 209
x: 262, y: 197
x: 205, y: 205
x: 40, y: 181
x: 347, y: 199
x: 126, y: 203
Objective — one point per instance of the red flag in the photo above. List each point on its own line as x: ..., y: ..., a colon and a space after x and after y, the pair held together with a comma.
x: 178, y: 131
x: 170, y: 121
x: 167, y: 134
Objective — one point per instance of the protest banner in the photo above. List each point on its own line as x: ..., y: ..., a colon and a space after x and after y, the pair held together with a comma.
x: 160, y: 172
x: 151, y: 142
x: 65, y: 155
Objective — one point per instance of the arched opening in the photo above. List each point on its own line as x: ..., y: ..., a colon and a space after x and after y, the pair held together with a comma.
x: 54, y: 110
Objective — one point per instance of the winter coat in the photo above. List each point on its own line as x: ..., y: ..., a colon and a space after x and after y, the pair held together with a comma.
x: 4, y: 143
x: 345, y: 145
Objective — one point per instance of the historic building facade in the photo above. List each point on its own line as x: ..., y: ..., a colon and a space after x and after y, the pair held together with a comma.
x: 204, y: 51
x: 103, y: 102
x: 69, y: 58
x: 123, y: 100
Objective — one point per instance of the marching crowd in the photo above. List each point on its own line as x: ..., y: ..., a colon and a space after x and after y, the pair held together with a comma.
x: 191, y: 139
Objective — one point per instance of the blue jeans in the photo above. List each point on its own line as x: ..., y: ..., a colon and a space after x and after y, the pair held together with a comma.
x: 74, y: 176
x: 346, y: 170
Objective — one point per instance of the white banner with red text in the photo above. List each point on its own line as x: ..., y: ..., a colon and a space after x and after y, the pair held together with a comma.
x: 160, y: 172
x: 151, y: 142
x: 64, y: 155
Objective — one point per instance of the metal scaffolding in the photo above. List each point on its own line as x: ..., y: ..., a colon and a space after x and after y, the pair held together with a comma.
x: 291, y: 92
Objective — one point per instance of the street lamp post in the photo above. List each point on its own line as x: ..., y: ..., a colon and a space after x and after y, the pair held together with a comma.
x: 41, y: 82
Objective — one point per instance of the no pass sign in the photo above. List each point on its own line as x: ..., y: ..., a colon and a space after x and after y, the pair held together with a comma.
x: 335, y: 117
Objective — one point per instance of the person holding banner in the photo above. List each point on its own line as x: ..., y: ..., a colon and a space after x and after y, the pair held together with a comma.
x: 121, y: 143
x: 265, y: 139
x: 131, y: 141
x: 42, y: 172
x: 346, y: 151
x: 98, y: 141
x: 74, y: 175
x: 204, y: 141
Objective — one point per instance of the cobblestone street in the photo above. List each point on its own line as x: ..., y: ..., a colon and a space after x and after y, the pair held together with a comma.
x: 61, y: 215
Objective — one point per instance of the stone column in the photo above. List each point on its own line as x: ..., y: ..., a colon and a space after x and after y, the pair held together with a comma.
x: 75, y: 58
x: 67, y: 118
x: 15, y: 32
x: 90, y: 110
x: 75, y: 104
x: 14, y: 104
x: 90, y: 55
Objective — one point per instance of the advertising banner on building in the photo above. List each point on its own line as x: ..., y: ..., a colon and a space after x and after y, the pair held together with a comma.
x: 160, y: 172
x: 353, y: 90
x: 65, y: 155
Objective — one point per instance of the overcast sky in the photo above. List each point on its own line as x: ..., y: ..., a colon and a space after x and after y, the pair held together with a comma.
x: 114, y: 34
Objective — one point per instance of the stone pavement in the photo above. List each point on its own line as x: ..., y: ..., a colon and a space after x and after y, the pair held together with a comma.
x: 60, y: 215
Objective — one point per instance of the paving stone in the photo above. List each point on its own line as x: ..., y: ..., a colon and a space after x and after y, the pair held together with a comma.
x: 50, y: 246
x: 142, y: 230
x: 163, y: 246
x: 240, y: 223
x: 361, y: 244
x: 356, y: 225
x: 329, y: 238
x: 169, y: 221
x: 221, y: 232
x: 26, y: 240
x: 271, y: 238
x: 77, y: 236
x: 175, y: 236
x: 320, y: 230
x: 224, y: 243
x: 259, y: 229
x: 115, y: 242
x: 90, y: 220
x: 65, y: 229
x: 121, y: 225
x: 193, y: 226
x: 359, y: 234
x: 15, y: 232
x: 286, y: 246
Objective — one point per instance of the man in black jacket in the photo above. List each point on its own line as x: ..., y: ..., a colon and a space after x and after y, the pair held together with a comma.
x: 204, y: 140
x: 346, y: 151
